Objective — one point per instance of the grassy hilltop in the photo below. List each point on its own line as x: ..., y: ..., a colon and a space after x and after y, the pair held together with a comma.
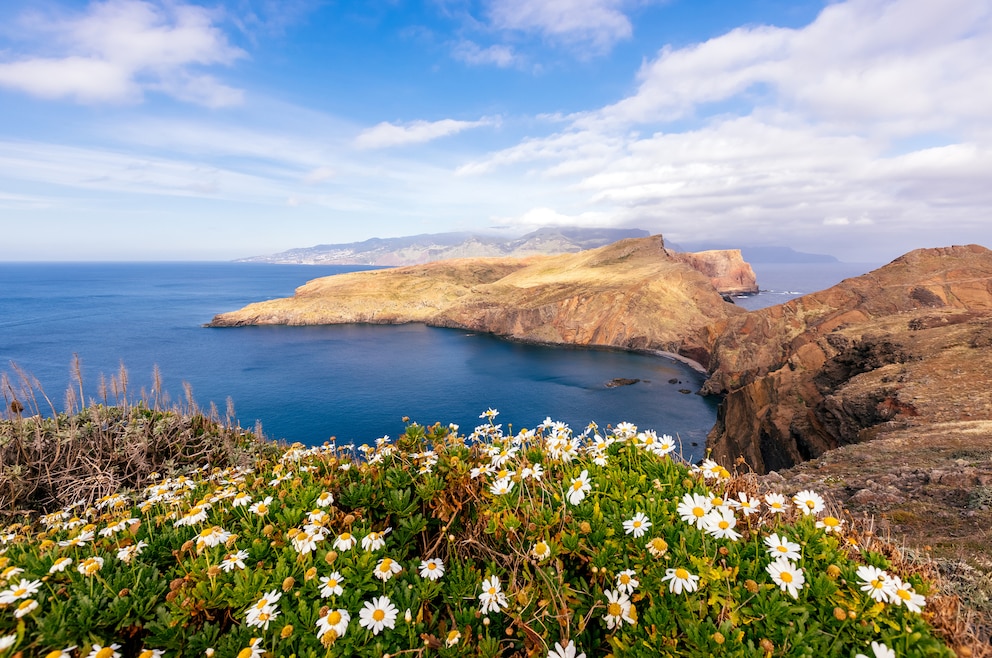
x: 494, y: 542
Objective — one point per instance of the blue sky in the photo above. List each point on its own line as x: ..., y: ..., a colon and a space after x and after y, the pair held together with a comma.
x: 181, y: 129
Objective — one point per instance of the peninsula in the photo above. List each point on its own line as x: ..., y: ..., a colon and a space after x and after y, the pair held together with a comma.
x: 633, y: 294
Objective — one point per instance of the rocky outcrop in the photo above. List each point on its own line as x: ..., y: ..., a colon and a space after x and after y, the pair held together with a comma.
x: 631, y: 294
x: 907, y: 345
x: 726, y: 269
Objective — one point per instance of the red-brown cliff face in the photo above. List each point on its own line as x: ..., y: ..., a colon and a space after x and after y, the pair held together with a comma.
x: 728, y: 271
x: 907, y: 344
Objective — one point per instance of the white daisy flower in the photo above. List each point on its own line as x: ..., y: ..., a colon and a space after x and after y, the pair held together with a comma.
x: 637, y: 525
x: 325, y: 499
x: 336, y: 622
x: 787, y: 575
x: 808, y: 502
x: 693, y: 509
x: 626, y: 582
x: 876, y: 583
x: 747, y: 506
x: 234, y: 561
x: 375, y: 540
x: 902, y: 593
x: 344, y: 542
x: 331, y: 585
x: 567, y: 651
x: 432, y: 569
x: 577, y: 490
x: 720, y: 523
x: 830, y: 524
x: 618, y: 609
x: 98, y: 651
x: 377, y: 614
x: 492, y: 597
x: 775, y: 502
x: 780, y: 547
x: 680, y: 580
x: 541, y: 550
x: 879, y: 650
x: 386, y: 569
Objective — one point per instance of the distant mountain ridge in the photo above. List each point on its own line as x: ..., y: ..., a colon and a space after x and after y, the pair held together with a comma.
x: 429, y: 247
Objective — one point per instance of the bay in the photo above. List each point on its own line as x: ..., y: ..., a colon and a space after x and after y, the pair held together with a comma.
x: 307, y: 384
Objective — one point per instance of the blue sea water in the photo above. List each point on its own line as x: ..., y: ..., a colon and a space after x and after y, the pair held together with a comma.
x: 353, y: 382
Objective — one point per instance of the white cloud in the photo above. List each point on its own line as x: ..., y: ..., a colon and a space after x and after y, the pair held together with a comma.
x: 119, y: 49
x: 597, y: 23
x: 497, y: 55
x: 386, y: 134
x: 809, y: 136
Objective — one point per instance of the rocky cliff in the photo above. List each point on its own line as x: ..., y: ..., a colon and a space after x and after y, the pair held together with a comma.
x: 632, y: 294
x: 725, y: 267
x: 908, y: 345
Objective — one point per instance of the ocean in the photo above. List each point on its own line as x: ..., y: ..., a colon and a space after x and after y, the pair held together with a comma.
x: 352, y: 382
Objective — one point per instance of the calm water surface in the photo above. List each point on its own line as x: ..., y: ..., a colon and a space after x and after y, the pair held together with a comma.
x: 355, y: 382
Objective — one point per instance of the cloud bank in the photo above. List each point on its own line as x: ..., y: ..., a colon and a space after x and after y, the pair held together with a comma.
x: 118, y: 50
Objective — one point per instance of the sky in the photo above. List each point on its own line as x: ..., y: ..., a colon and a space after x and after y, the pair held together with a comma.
x: 214, y: 130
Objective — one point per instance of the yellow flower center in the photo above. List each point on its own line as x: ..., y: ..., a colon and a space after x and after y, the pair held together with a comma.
x: 698, y: 512
x: 782, y: 549
x: 263, y: 617
x: 878, y: 583
x: 717, y: 502
x: 810, y: 504
x: 492, y: 591
x: 624, y: 579
x: 577, y: 485
x: 831, y: 522
x: 785, y: 576
x: 332, y: 583
x: 903, y: 594
x: 334, y: 617
x: 614, y: 610
x: 345, y: 536
x: 245, y: 653
x: 262, y: 508
x: 541, y: 548
x: 385, y: 566
x: 681, y: 574
x: 30, y: 602
x: 724, y: 524
x: 637, y: 524
x: 431, y: 566
x: 19, y: 592
x: 105, y: 652
x: 379, y: 614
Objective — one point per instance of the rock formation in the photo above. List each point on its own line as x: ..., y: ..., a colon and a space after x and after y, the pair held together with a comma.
x: 631, y: 294
x: 726, y: 268
x: 908, y: 345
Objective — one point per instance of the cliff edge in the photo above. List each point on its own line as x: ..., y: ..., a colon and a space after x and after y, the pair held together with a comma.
x: 904, y: 347
x: 632, y: 294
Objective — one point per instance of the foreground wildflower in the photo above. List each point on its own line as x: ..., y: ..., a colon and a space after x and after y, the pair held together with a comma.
x: 637, y: 526
x: 331, y: 585
x: 387, y: 568
x: 60, y: 564
x: 879, y: 650
x: 903, y: 593
x: 680, y: 580
x: 99, y: 651
x: 830, y: 524
x: 775, y: 502
x: 567, y: 651
x: 541, y: 550
x: 875, y: 582
x: 808, y: 502
x: 375, y: 540
x: 431, y: 569
x: 577, y: 490
x: 453, y: 637
x: 693, y: 509
x: 25, y: 607
x: 618, y: 609
x: 780, y: 547
x: 90, y: 565
x: 253, y: 650
x: 747, y: 506
x: 492, y: 597
x: 345, y: 541
x: 333, y: 625
x: 128, y: 553
x: 787, y: 576
x: 22, y: 590
x: 378, y: 614
x: 234, y: 561
x: 264, y: 610
x: 658, y: 547
x: 721, y: 523
x: 626, y: 582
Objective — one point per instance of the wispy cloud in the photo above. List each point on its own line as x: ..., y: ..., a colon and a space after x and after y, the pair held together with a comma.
x: 595, y: 23
x: 118, y: 50
x: 497, y: 55
x: 387, y: 134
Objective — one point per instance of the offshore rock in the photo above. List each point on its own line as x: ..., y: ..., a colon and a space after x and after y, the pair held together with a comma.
x: 905, y: 346
x: 632, y: 294
x: 726, y: 268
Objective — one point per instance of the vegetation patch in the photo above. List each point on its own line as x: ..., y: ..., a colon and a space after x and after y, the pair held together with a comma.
x: 539, y: 543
